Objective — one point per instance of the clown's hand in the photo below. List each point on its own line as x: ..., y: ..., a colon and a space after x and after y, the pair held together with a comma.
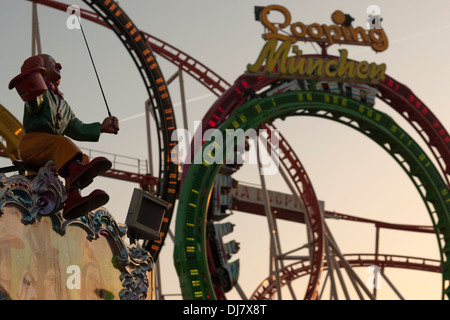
x: 110, y: 125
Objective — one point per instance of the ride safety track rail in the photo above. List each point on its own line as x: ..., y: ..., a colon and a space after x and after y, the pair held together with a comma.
x: 267, y: 288
x: 190, y: 247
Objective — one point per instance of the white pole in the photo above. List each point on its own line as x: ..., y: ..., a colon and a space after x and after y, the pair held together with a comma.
x: 35, y: 34
x: 272, y: 230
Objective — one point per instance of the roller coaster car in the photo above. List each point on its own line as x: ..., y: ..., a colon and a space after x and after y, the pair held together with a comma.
x: 238, y: 160
x: 222, y: 201
x: 284, y: 87
x: 361, y: 92
x: 228, y: 275
x: 357, y: 91
x: 226, y: 272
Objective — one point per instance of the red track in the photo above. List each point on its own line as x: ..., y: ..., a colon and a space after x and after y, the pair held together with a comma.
x: 403, y: 100
x: 314, y: 217
x: 267, y: 289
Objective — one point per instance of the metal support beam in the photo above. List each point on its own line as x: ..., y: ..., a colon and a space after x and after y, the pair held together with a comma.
x: 148, y: 110
x: 274, y: 246
x: 340, y: 277
x: 279, y: 256
x: 240, y: 291
x: 183, y: 99
x: 391, y: 285
x: 323, y: 286
x: 353, y: 276
x: 35, y: 33
x: 377, y: 250
x: 158, y: 283
x: 333, y: 292
x: 172, y: 78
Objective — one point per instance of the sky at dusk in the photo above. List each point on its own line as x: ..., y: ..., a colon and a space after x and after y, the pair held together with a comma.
x: 349, y: 172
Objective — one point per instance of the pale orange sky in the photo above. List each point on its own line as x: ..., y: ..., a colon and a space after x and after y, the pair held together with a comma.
x: 350, y: 173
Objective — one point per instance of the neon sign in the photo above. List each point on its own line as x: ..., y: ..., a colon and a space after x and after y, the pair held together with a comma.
x: 278, y: 63
x: 288, y: 61
x: 341, y: 32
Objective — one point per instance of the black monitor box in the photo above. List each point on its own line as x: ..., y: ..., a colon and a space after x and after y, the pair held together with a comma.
x: 145, y: 215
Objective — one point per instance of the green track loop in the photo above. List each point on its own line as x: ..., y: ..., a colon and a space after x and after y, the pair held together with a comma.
x: 190, y: 255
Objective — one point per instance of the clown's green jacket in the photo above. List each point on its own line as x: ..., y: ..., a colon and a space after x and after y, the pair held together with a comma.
x: 52, y: 114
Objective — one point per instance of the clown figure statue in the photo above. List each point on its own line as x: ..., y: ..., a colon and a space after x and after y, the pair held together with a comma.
x: 50, y: 125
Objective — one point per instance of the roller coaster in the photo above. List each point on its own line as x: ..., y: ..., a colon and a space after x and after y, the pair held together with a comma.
x: 255, y: 102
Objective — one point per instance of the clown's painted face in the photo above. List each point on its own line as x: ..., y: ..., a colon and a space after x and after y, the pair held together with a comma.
x: 53, y: 72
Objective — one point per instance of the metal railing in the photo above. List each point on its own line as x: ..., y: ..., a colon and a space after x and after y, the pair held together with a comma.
x: 120, y: 162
